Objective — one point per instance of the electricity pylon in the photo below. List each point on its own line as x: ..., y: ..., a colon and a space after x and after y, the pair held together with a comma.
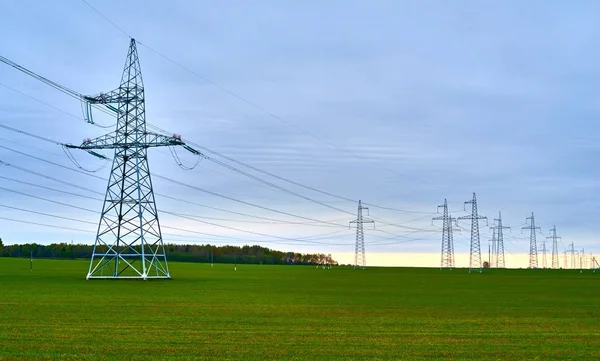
x: 129, y: 242
x: 554, y: 239
x: 475, y: 253
x: 359, y: 250
x: 544, y: 250
x: 498, y: 254
x: 493, y: 250
x: 447, y: 239
x: 533, y: 254
x: 572, y: 252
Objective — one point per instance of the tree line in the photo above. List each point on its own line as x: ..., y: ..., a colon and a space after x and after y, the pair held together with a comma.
x: 175, y: 252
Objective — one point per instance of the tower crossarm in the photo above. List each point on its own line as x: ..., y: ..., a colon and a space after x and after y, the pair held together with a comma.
x: 470, y: 217
x: 118, y: 96
x: 364, y: 220
x: 117, y: 140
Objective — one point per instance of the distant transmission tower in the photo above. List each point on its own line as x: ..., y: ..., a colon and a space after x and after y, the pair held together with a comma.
x: 572, y: 252
x: 554, y: 238
x: 492, y: 257
x: 359, y: 251
x: 498, y: 252
x: 475, y: 254
x: 129, y: 242
x: 533, y: 254
x: 544, y: 250
x: 566, y: 264
x: 447, y: 240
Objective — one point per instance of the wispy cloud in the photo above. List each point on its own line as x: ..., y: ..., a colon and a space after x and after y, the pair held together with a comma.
x: 438, y: 100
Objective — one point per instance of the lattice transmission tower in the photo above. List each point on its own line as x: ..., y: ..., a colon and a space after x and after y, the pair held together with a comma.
x: 533, y: 253
x: 447, y: 239
x: 129, y: 242
x: 543, y: 249
x: 359, y: 249
x: 554, y: 238
x: 475, y: 252
x: 498, y: 249
x: 573, y: 252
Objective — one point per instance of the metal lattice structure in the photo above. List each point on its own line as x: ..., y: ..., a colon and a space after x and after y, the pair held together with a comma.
x: 533, y: 253
x: 129, y: 242
x: 497, y: 260
x: 447, y: 239
x: 359, y: 249
x: 475, y: 250
x: 572, y: 251
x: 492, y: 255
x: 544, y: 250
x: 554, y: 238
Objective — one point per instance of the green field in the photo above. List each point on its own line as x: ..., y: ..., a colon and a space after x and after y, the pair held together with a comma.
x: 297, y: 313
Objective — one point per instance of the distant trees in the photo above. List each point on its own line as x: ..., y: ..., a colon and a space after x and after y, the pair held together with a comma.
x: 175, y: 252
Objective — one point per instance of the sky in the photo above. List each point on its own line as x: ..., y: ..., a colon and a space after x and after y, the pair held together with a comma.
x: 401, y: 104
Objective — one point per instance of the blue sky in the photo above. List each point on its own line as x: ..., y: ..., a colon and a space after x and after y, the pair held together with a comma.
x: 439, y: 98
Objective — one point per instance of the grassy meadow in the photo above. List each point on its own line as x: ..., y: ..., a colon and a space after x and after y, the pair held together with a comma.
x: 297, y: 313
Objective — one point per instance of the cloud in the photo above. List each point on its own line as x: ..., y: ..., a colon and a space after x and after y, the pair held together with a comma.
x: 422, y: 101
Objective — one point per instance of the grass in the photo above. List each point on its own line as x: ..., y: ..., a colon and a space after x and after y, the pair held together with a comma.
x: 298, y: 313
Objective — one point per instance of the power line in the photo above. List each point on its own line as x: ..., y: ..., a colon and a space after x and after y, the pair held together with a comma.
x: 277, y: 186
x: 53, y: 163
x: 234, y: 228
x: 167, y: 212
x: 50, y: 189
x: 176, y: 182
x: 400, y: 225
x: 48, y: 200
x: 300, y: 240
x: 107, y: 19
x: 208, y: 150
x: 70, y: 92
x: 49, y: 177
x: 47, y: 214
x: 45, y: 225
x: 41, y: 102
x: 59, y: 87
x: 399, y: 210
x: 278, y: 222
x: 234, y: 169
x: 273, y: 220
x: 240, y: 201
x: 240, y: 98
